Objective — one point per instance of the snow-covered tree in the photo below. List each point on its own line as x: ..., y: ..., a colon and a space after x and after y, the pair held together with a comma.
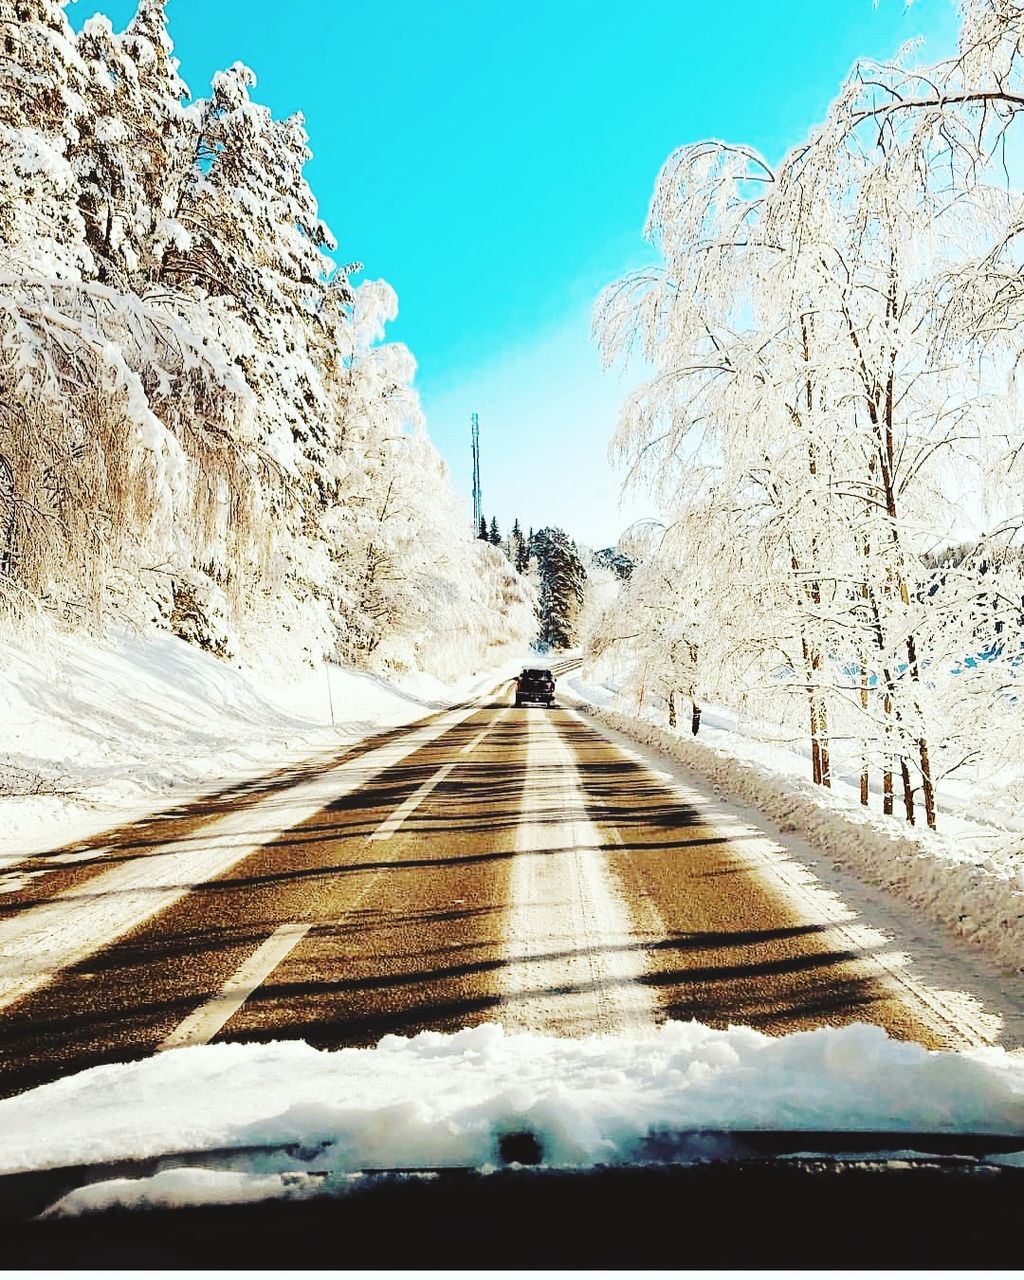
x: 830, y: 339
x: 562, y: 578
x: 42, y: 107
x: 518, y: 551
x: 200, y: 421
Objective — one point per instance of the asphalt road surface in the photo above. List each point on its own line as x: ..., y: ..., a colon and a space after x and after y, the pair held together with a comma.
x: 490, y: 863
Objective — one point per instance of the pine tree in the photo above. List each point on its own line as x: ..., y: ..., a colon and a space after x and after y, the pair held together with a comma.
x: 163, y: 139
x: 562, y: 580
x: 255, y: 233
x: 494, y: 537
x: 518, y: 551
x: 482, y: 533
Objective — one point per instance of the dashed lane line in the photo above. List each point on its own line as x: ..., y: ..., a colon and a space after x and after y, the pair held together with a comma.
x: 213, y: 1015
x: 203, y: 1023
x: 472, y: 745
x: 409, y: 806
x: 36, y: 944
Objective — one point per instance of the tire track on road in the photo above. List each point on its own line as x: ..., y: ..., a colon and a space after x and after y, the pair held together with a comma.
x: 418, y: 946
x: 39, y: 942
x: 32, y: 880
x: 380, y: 919
x: 750, y: 937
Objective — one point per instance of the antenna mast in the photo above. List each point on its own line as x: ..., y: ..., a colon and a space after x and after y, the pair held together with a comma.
x: 477, y: 498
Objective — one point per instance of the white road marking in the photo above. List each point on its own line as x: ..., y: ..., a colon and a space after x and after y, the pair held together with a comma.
x: 37, y: 943
x: 210, y: 1017
x: 472, y: 746
x: 573, y: 957
x: 479, y: 739
x: 409, y: 806
x: 203, y: 1023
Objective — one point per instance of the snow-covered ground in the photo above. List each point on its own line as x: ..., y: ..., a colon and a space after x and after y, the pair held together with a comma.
x: 446, y: 1100
x: 968, y: 877
x: 98, y: 732
x: 179, y: 719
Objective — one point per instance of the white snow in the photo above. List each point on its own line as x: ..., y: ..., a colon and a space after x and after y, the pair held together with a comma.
x: 574, y: 963
x: 97, y: 732
x: 446, y: 1100
x: 954, y: 879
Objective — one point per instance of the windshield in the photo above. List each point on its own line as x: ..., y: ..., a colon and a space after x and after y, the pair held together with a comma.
x: 308, y: 870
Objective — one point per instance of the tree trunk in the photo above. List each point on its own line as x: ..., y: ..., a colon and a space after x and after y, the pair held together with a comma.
x: 671, y: 708
x: 820, y: 765
x: 815, y: 744
x: 813, y: 708
x: 908, y: 791
x: 695, y: 720
x: 888, y: 708
x: 864, y: 779
x: 927, y: 786
x: 826, y: 767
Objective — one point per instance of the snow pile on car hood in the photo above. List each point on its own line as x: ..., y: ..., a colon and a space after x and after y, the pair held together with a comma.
x: 448, y: 1100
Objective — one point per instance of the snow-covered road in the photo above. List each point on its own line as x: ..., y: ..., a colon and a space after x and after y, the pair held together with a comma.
x: 572, y: 964
x: 487, y: 864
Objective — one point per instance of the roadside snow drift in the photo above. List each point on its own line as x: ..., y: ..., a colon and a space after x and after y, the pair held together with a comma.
x: 99, y: 731
x: 447, y: 1100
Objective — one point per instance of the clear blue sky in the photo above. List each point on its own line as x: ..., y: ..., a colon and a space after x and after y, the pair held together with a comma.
x: 494, y: 162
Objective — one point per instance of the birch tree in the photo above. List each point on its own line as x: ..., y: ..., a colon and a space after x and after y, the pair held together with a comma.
x: 821, y: 336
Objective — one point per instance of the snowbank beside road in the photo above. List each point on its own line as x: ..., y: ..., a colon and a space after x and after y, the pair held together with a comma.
x: 976, y: 892
x: 447, y: 1100
x: 97, y: 732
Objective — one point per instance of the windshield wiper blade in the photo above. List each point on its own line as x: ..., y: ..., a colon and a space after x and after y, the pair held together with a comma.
x: 688, y: 1144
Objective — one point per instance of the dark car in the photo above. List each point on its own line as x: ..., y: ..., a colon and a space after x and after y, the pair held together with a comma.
x: 535, y: 684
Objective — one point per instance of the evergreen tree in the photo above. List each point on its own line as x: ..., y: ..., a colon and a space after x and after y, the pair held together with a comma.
x: 617, y: 561
x: 482, y: 533
x: 164, y: 138
x: 494, y: 537
x: 518, y: 552
x: 562, y: 579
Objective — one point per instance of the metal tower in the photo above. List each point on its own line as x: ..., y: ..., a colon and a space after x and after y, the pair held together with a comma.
x: 477, y: 497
